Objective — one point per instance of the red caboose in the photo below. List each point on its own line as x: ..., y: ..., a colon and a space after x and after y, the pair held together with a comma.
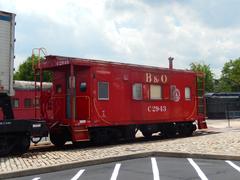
x: 103, y: 101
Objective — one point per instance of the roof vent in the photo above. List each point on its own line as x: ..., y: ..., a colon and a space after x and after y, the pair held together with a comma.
x: 170, y: 59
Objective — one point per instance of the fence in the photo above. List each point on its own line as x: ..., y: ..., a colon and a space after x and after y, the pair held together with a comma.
x: 223, y: 106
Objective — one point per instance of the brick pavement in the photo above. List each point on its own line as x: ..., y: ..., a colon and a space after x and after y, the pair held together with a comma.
x: 217, y: 140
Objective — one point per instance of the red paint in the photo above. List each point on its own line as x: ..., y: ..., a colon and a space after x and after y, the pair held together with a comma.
x: 82, y: 109
x: 23, y: 112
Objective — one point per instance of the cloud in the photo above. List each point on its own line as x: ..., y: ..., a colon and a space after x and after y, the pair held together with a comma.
x: 136, y: 31
x: 217, y: 14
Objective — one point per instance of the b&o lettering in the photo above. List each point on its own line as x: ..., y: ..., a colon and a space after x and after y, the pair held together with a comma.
x: 148, y: 77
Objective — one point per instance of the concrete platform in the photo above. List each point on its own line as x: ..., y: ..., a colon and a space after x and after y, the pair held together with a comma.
x: 218, y: 142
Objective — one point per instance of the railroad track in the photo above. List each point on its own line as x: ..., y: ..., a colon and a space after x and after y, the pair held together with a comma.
x: 47, y: 146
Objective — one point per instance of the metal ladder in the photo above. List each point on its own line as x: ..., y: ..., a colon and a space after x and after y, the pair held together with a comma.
x: 38, y: 76
x: 201, y: 102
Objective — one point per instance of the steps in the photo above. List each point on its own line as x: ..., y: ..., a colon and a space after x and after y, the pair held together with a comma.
x: 80, y: 133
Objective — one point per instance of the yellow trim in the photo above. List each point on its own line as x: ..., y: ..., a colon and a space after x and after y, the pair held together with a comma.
x: 82, y: 140
x: 81, y: 130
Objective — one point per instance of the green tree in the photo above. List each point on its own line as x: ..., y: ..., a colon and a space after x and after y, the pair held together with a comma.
x: 26, y: 73
x: 230, y: 78
x: 201, y: 67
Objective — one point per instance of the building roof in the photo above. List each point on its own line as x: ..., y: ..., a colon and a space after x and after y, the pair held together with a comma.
x: 30, y: 85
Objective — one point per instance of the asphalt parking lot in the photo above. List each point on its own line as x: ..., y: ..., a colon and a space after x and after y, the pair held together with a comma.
x: 159, y: 168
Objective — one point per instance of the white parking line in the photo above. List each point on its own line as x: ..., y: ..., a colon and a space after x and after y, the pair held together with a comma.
x: 78, y: 174
x: 155, y: 169
x: 36, y: 178
x: 233, y: 165
x: 115, y: 171
x: 197, y: 168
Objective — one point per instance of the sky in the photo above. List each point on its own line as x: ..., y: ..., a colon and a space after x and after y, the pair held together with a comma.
x: 130, y: 31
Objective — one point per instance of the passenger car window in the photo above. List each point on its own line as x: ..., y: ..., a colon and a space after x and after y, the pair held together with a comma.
x: 15, y: 103
x: 137, y: 91
x: 27, y: 103
x: 103, y: 90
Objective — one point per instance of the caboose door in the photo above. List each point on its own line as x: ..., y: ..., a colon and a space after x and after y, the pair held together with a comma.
x: 82, y: 93
x: 59, y: 91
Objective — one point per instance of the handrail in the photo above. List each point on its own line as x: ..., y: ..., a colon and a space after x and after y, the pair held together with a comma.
x: 200, y: 92
x: 39, y: 51
x: 35, y: 69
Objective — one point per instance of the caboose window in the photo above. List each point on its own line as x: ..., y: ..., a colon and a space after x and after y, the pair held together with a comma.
x: 27, y: 103
x: 83, y: 86
x: 155, y: 92
x: 103, y: 89
x: 137, y: 91
x: 187, y: 93
x: 58, y: 88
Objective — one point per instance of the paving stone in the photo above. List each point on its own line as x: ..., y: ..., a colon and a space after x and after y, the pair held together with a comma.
x: 217, y: 140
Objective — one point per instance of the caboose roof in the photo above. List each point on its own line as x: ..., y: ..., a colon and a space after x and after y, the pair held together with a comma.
x: 30, y: 85
x: 54, y: 61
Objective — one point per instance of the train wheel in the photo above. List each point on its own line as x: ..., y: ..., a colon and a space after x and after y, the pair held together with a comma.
x: 130, y: 133
x: 58, y: 138
x: 184, y: 132
x: 168, y: 130
x: 6, y: 145
x: 186, y: 129
x: 100, y: 136
x: 147, y: 134
x: 23, y: 144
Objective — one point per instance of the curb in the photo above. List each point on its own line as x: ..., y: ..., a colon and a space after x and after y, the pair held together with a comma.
x: 29, y: 172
